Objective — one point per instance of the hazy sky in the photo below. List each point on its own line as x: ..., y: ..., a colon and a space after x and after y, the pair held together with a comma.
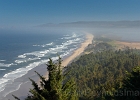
x: 34, y: 12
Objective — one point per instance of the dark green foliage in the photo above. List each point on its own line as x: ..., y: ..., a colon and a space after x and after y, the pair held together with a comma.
x: 130, y: 89
x: 97, y: 73
x: 98, y: 47
x: 102, y: 46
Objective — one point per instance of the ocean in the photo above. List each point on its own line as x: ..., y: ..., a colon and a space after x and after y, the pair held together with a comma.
x: 21, y: 52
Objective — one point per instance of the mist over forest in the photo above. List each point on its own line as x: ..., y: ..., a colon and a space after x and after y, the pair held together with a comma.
x: 118, y: 30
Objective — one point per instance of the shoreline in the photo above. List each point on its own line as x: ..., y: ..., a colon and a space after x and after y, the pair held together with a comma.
x: 23, y: 91
x: 77, y: 52
x: 24, y: 88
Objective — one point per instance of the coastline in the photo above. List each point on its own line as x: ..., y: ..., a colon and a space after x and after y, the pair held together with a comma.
x: 24, y: 88
x: 23, y: 91
x: 77, y: 52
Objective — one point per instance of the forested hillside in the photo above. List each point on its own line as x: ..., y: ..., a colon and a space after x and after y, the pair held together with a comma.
x: 100, y: 73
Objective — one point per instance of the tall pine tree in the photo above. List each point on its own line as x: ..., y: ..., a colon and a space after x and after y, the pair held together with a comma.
x: 56, y: 87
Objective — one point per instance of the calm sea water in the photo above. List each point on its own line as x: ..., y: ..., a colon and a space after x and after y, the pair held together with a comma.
x: 21, y: 52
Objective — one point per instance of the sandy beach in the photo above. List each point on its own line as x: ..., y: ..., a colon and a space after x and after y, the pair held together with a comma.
x: 132, y: 45
x: 89, y: 38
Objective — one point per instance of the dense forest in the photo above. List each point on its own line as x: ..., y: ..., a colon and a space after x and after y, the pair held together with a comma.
x: 105, y: 73
x: 100, y: 73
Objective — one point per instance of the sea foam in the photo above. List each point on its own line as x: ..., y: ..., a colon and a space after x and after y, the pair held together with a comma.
x: 6, y: 65
x: 35, y: 58
x: 44, y: 45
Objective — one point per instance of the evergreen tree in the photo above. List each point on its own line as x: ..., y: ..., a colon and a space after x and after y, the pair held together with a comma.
x: 56, y: 87
x: 130, y: 89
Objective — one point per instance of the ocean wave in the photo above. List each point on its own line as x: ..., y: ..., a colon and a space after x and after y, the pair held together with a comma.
x: 62, y: 55
x: 20, y: 61
x: 2, y: 69
x: 66, y: 35
x: 25, y: 60
x: 69, y: 42
x: 74, y: 35
x: 35, y: 45
x: 36, y: 55
x: 6, y: 65
x: 3, y: 82
x: 69, y: 37
x: 11, y: 76
x: 50, y: 43
x: 67, y: 52
x: 44, y: 45
x: 39, y: 54
x: 22, y: 71
x: 22, y: 56
x: 2, y: 60
x: 58, y: 47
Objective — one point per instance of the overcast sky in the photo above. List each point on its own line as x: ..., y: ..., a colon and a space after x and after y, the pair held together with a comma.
x: 34, y: 12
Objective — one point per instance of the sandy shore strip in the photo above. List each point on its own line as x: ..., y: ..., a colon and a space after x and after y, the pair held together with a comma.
x: 77, y: 52
x: 132, y: 45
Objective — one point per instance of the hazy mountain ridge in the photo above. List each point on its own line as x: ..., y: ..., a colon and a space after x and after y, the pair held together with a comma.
x: 101, y: 24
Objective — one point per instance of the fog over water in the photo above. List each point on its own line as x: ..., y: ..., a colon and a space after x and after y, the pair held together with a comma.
x: 120, y: 30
